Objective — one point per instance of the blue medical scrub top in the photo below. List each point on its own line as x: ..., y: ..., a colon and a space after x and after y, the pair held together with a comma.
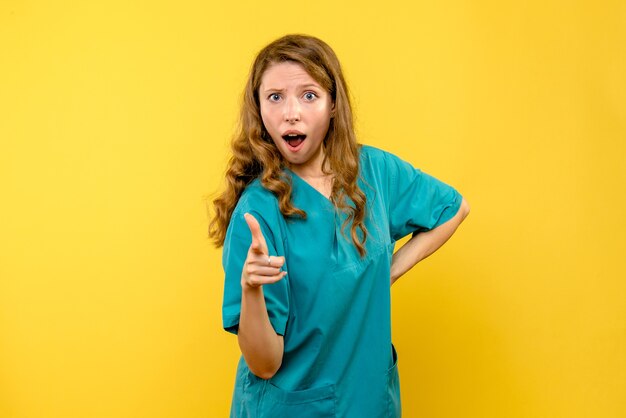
x: 333, y: 307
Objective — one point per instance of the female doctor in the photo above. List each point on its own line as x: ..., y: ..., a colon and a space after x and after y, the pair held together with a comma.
x: 308, y: 222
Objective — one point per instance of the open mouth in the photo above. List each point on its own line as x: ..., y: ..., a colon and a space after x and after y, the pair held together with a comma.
x: 294, y: 140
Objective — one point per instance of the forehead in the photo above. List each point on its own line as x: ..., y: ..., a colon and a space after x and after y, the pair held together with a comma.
x: 286, y: 74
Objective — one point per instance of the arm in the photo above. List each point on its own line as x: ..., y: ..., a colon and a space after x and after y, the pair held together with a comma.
x: 260, y: 345
x: 423, y: 244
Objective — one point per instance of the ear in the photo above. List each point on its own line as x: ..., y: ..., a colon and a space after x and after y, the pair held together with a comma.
x: 332, y: 111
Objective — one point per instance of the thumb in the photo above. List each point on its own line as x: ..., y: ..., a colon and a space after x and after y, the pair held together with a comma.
x: 258, y: 245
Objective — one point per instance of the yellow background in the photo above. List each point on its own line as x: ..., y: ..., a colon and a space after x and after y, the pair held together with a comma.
x: 115, y: 119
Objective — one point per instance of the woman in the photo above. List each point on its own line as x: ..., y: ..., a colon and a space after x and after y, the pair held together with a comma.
x: 308, y: 222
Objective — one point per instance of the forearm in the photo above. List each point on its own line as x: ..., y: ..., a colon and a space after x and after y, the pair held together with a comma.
x: 424, y: 244
x: 261, y: 347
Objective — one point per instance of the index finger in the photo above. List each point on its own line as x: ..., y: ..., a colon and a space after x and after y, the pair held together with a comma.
x: 258, y: 245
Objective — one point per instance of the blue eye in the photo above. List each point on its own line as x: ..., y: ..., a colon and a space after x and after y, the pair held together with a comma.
x: 272, y: 95
x: 309, y: 94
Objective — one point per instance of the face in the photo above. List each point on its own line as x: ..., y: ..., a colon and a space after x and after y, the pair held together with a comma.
x: 296, y: 111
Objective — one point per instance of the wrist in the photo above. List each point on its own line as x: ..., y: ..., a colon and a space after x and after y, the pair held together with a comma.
x: 248, y: 288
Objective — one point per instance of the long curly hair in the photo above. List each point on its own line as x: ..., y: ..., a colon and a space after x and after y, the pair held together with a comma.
x: 254, y: 154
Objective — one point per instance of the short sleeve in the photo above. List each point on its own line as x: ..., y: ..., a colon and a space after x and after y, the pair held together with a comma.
x: 236, y: 244
x: 417, y: 201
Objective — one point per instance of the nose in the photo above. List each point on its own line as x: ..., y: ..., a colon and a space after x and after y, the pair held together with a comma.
x: 292, y: 110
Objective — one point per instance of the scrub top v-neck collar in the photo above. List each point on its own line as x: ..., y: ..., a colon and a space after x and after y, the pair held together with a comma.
x: 309, y: 186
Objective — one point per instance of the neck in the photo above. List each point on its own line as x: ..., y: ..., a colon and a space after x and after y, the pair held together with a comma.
x: 312, y: 169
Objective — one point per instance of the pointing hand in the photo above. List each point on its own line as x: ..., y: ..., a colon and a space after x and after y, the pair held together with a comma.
x: 260, y: 268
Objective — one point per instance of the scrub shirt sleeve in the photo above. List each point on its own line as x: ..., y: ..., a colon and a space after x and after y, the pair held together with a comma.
x: 417, y: 201
x: 236, y: 245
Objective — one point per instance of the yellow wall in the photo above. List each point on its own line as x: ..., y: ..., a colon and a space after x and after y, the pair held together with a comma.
x: 114, y: 122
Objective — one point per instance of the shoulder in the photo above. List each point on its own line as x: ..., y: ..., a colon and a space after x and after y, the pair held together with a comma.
x: 255, y: 197
x: 377, y: 156
x: 260, y: 203
x: 380, y: 161
x: 370, y: 153
x: 372, y: 160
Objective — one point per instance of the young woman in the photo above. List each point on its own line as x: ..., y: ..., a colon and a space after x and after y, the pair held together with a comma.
x: 308, y: 222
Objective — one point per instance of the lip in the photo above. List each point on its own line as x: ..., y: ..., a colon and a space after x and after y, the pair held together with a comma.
x: 296, y: 149
x: 291, y: 131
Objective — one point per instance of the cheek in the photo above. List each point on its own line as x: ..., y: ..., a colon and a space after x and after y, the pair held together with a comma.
x: 323, y: 117
x: 267, y: 118
x: 323, y: 110
x: 265, y: 121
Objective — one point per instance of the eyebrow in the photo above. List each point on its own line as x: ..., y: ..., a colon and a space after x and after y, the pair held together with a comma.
x: 301, y: 86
